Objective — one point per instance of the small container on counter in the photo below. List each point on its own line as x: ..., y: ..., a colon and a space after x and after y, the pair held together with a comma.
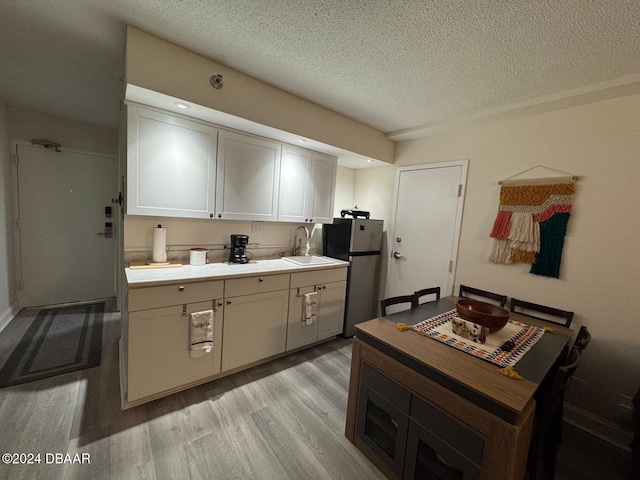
x: 198, y: 256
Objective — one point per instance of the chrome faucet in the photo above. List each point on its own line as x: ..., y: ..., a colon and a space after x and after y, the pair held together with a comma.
x: 297, y: 246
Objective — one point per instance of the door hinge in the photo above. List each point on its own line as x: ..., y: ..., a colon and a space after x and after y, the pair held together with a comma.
x: 450, y: 266
x: 460, y: 186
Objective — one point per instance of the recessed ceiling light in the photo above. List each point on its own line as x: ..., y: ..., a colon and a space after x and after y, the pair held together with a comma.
x: 302, y: 140
x: 182, y: 105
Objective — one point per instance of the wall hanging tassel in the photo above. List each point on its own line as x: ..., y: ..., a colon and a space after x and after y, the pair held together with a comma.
x: 552, y: 234
x: 501, y: 253
x: 502, y: 225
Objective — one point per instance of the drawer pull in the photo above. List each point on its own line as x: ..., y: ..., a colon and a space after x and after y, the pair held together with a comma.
x: 261, y: 279
x: 181, y: 288
x: 228, y: 302
x: 219, y: 304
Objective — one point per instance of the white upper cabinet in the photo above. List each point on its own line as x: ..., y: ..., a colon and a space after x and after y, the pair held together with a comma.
x: 295, y: 185
x: 171, y: 165
x: 307, y: 186
x: 248, y: 177
x: 324, y: 173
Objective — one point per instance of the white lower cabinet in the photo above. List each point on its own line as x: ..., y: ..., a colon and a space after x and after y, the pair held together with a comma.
x: 255, y: 325
x: 255, y: 318
x: 159, y: 357
x: 157, y: 340
x: 330, y: 287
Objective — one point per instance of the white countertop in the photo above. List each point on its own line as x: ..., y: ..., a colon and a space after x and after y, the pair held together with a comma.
x: 220, y: 271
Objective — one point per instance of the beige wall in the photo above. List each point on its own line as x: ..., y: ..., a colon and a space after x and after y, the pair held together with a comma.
x: 8, y: 290
x: 26, y: 125
x: 345, y: 186
x: 182, y: 234
x: 599, y: 142
x: 163, y: 67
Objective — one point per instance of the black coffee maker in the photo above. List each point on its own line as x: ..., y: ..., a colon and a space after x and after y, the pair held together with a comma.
x: 238, y: 249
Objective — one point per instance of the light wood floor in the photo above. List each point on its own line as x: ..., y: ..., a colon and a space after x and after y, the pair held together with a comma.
x: 283, y: 420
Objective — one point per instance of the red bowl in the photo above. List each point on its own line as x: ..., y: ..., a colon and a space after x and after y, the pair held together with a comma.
x: 485, y: 314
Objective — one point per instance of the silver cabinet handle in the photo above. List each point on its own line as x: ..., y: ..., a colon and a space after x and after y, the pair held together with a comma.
x: 181, y: 288
x: 397, y: 255
x: 261, y: 279
x: 228, y: 302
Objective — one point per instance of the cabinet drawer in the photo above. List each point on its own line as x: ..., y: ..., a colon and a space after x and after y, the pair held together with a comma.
x: 175, y: 294
x: 257, y: 284
x: 315, y: 277
x: 386, y: 388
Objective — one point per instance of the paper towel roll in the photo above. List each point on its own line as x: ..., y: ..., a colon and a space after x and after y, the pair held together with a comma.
x: 159, y: 244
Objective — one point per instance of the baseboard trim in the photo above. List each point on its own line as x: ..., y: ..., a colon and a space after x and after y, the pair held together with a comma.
x: 8, y: 315
x: 601, y: 428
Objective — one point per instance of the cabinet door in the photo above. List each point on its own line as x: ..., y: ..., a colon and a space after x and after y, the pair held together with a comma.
x: 248, y: 177
x: 171, y: 165
x: 159, y: 350
x: 299, y: 333
x: 255, y: 327
x: 331, y: 309
x: 295, y: 185
x: 324, y: 186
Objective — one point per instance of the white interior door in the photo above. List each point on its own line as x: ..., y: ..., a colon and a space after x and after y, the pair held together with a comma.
x: 64, y: 254
x: 426, y: 227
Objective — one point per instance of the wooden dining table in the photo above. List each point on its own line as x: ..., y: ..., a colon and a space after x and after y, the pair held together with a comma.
x: 467, y: 388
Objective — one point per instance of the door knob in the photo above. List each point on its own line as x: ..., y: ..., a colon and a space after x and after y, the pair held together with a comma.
x: 397, y: 255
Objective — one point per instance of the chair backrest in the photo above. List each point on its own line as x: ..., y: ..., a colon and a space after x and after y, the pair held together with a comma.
x: 582, y: 339
x: 550, y: 314
x: 470, y: 292
x: 427, y: 291
x: 553, y: 396
x: 564, y: 374
x: 411, y: 299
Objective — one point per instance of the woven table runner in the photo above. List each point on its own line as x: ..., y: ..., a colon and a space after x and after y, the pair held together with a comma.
x: 522, y: 335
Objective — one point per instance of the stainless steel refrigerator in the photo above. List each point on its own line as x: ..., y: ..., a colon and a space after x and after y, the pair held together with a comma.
x: 358, y: 241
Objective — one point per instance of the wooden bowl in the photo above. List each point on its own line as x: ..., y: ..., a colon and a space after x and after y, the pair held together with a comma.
x: 485, y: 314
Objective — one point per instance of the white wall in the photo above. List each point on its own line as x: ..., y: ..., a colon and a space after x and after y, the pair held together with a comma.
x: 8, y: 290
x: 600, y: 268
x: 345, y: 186
x: 29, y: 124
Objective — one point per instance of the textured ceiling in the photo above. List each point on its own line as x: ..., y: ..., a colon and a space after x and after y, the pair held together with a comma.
x: 389, y: 64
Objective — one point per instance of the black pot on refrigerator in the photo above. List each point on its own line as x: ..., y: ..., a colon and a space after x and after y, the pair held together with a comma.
x: 358, y: 241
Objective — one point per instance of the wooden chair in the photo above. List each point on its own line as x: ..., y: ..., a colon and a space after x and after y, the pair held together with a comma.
x: 582, y: 339
x: 547, y: 430
x: 427, y: 291
x: 411, y: 299
x: 471, y: 292
x: 550, y: 314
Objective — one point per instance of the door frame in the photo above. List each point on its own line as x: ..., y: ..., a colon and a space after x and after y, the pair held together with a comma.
x: 464, y: 163
x: 117, y: 218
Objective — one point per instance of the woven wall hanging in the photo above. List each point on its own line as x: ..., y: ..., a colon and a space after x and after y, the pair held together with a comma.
x: 532, y: 222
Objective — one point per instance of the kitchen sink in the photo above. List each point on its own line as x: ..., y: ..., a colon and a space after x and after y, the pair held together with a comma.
x: 309, y: 260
